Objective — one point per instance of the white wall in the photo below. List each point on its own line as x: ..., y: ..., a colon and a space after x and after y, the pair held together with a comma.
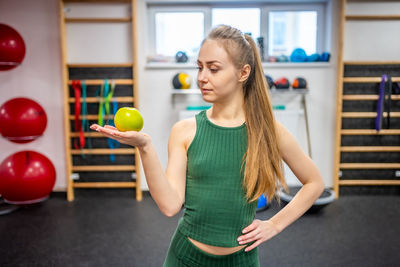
x: 38, y: 77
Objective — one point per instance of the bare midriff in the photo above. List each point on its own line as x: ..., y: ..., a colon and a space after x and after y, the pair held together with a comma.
x: 215, y: 250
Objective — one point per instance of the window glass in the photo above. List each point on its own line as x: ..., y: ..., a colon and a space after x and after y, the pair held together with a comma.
x: 245, y: 19
x: 179, y: 31
x: 292, y: 29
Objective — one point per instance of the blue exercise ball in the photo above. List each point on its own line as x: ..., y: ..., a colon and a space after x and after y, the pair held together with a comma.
x: 298, y: 55
x: 262, y: 203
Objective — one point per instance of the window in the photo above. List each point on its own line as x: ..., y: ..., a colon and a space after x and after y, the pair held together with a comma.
x: 292, y: 29
x: 283, y: 26
x: 176, y: 31
x: 245, y: 19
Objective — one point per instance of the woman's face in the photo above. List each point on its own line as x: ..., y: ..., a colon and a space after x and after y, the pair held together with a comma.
x: 218, y: 78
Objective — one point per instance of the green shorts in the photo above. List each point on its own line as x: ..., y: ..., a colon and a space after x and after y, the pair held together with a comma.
x: 182, y: 252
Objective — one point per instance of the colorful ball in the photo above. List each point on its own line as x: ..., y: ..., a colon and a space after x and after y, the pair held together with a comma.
x: 181, y: 80
x: 22, y: 120
x: 299, y: 83
x: 26, y: 177
x: 282, y: 83
x: 270, y: 81
x: 262, y: 203
x: 298, y: 55
x: 12, y: 48
x: 128, y: 119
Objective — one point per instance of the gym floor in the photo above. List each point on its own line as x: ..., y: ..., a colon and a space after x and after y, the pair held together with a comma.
x: 109, y: 228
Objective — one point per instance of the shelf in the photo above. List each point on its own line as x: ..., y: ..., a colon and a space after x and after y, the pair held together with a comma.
x: 370, y: 149
x: 104, y: 184
x: 368, y: 114
x: 100, y: 168
x: 369, y: 132
x: 369, y: 165
x: 369, y: 182
x: 103, y: 151
x: 120, y: 99
x: 101, y: 82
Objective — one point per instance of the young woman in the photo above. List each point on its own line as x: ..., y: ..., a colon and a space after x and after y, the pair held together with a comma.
x: 221, y: 161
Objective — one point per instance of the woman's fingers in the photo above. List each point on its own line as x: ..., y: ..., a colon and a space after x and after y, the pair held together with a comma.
x: 110, y: 127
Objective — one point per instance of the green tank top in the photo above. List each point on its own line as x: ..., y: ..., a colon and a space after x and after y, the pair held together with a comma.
x: 216, y: 209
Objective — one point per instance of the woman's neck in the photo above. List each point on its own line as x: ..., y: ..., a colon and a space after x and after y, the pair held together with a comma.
x: 229, y: 115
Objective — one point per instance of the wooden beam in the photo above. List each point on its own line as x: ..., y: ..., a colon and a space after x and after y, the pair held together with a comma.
x: 91, y: 117
x: 369, y: 165
x: 370, y: 149
x: 368, y: 182
x: 99, y: 168
x: 339, y: 94
x: 367, y: 79
x: 97, y: 20
x: 104, y: 184
x: 99, y: 65
x: 100, y: 82
x: 367, y: 97
x: 369, y: 132
x: 372, y: 17
x: 103, y: 151
x: 368, y: 114
x: 372, y: 62
x: 121, y: 99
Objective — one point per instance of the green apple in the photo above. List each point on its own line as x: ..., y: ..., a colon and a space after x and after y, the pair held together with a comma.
x: 128, y: 119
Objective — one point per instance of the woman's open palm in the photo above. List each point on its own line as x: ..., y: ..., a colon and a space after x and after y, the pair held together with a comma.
x: 136, y: 139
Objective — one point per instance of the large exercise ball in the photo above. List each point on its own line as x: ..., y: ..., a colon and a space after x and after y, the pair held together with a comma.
x: 22, y: 120
x: 26, y: 177
x: 12, y: 48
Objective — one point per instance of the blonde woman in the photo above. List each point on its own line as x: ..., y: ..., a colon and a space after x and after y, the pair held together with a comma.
x: 221, y: 161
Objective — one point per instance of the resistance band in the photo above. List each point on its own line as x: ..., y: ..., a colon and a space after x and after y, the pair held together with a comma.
x: 76, y: 85
x: 85, y: 122
x: 112, y: 144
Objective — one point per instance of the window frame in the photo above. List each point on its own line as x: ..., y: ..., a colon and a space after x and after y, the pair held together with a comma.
x: 265, y: 7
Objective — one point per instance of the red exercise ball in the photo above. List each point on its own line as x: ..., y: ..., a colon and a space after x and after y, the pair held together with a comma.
x: 26, y: 177
x: 12, y: 48
x: 22, y: 120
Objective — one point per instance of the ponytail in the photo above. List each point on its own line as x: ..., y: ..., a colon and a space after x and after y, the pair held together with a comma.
x: 263, y: 171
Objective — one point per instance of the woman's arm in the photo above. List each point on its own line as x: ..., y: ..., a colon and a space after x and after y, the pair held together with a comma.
x: 167, y: 188
x: 308, y: 174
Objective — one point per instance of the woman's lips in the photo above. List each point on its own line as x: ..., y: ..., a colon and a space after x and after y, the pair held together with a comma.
x: 204, y: 90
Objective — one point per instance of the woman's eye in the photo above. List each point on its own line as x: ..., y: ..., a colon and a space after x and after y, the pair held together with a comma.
x: 200, y: 68
x: 213, y: 70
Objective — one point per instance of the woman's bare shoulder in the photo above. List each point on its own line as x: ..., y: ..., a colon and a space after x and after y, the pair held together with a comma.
x: 184, y: 131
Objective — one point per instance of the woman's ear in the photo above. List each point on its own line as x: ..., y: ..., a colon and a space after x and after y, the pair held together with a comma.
x: 244, y: 73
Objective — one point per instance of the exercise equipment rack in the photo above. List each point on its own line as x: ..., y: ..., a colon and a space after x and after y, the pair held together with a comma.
x: 90, y: 167
x: 365, y: 159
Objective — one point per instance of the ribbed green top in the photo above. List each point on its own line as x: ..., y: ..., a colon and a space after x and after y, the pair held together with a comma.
x: 216, y: 210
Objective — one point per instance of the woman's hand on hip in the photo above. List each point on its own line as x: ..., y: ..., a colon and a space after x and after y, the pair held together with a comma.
x: 258, y: 232
x: 136, y: 139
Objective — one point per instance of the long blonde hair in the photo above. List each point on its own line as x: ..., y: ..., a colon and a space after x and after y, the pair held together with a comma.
x: 263, y: 171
